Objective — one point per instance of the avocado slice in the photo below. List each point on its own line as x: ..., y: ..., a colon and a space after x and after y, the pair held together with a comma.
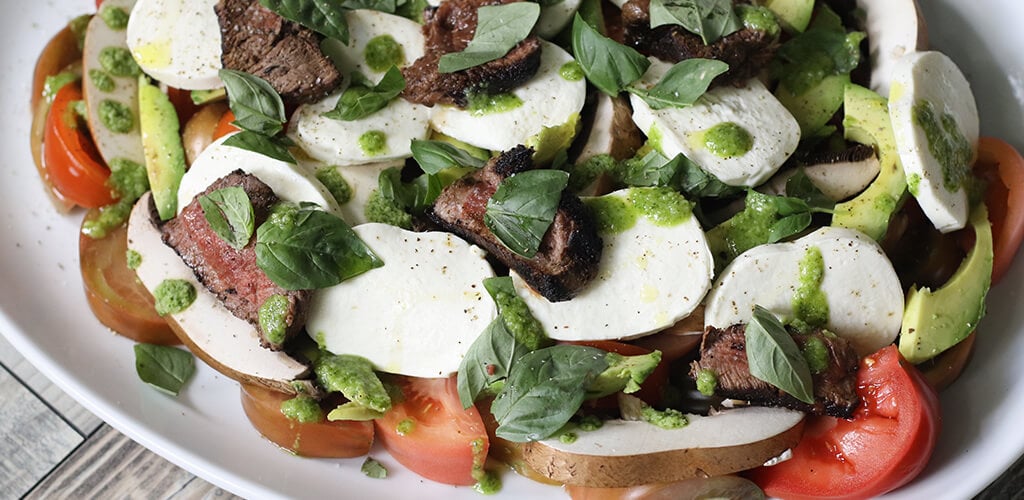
x: 936, y: 321
x: 794, y: 15
x: 866, y: 121
x: 814, y: 108
x: 161, y: 142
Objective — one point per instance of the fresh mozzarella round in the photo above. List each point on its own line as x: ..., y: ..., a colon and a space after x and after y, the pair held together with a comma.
x: 289, y: 182
x: 774, y: 131
x: 650, y: 276
x: 365, y: 25
x: 548, y: 100
x: 362, y: 180
x: 177, y: 42
x: 418, y: 314
x: 934, y: 117
x: 894, y: 28
x: 864, y: 295
x: 555, y: 17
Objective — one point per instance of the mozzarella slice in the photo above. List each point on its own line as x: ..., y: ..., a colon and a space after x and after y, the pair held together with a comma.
x: 548, y: 100
x: 650, y: 276
x: 365, y: 25
x: 418, y: 314
x: 865, y: 298
x: 555, y: 17
x: 177, y: 42
x: 920, y: 81
x: 362, y: 180
x: 289, y: 182
x: 894, y: 28
x: 673, y: 131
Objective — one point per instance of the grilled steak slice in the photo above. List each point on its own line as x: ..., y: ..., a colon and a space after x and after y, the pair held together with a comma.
x: 230, y: 274
x: 449, y: 28
x: 747, y: 51
x: 258, y: 41
x: 724, y: 353
x: 569, y: 252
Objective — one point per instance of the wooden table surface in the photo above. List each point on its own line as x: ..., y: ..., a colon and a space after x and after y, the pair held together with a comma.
x: 51, y: 447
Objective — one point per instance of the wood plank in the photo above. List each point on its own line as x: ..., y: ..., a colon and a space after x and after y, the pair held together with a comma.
x: 33, y: 438
x: 81, y: 419
x: 110, y: 465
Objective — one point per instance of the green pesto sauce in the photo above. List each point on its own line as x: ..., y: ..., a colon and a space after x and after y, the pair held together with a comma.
x: 759, y: 18
x: 173, y: 296
x: 707, y: 381
x: 116, y: 116
x: 914, y: 184
x: 101, y: 80
x: 810, y: 304
x: 273, y: 314
x: 405, y: 427
x: 118, y: 61
x: 488, y: 483
x: 78, y: 26
x: 335, y: 183
x: 584, y: 174
x: 383, y: 210
x: 481, y: 104
x: 128, y: 178
x: 816, y: 354
x: 519, y: 321
x: 946, y: 143
x: 302, y: 409
x: 382, y: 52
x: 568, y: 437
x: 571, y: 71
x: 54, y: 83
x: 727, y: 140
x: 885, y: 203
x: 661, y: 205
x: 115, y: 17
x: 743, y: 231
x: 590, y: 423
x: 668, y: 418
x: 613, y: 214
x: 133, y: 259
x: 373, y: 143
x: 654, y: 138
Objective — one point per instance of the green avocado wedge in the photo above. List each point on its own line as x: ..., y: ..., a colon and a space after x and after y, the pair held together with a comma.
x: 161, y: 142
x: 936, y: 321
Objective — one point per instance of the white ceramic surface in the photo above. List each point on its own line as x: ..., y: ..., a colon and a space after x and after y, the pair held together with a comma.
x: 44, y: 314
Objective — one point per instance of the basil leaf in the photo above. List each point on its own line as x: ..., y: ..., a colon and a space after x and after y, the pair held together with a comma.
x: 694, y: 182
x: 388, y: 6
x: 414, y: 196
x: 824, y: 49
x: 544, y: 389
x: 435, y: 156
x: 256, y: 105
x: 523, y: 207
x: 785, y: 205
x: 487, y: 361
x: 774, y: 357
x: 229, y: 213
x: 326, y: 17
x: 499, y: 28
x: 303, y: 247
x: 800, y: 186
x: 788, y: 226
x: 360, y: 101
x: 651, y: 170
x: 258, y: 143
x: 163, y: 367
x: 710, y: 19
x: 683, y: 84
x: 609, y: 65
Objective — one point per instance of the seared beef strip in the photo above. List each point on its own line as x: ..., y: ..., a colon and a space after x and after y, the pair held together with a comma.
x: 569, y: 252
x: 724, y: 353
x: 449, y: 28
x: 747, y: 51
x: 257, y: 41
x: 232, y: 275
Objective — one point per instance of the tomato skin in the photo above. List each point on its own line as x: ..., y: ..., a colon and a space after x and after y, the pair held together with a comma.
x: 326, y: 439
x: 71, y: 159
x: 224, y: 126
x: 885, y: 445
x: 443, y: 442
x: 1003, y: 167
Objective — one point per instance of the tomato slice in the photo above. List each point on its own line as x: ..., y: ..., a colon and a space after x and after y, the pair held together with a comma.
x: 1003, y: 167
x: 224, y: 126
x: 326, y: 439
x: 115, y: 294
x: 886, y: 444
x: 60, y: 54
x: 71, y: 159
x: 429, y: 432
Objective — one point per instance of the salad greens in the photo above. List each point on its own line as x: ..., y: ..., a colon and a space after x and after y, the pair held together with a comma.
x: 499, y: 28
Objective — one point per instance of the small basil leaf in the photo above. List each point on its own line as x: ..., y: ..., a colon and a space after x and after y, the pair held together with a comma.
x: 800, y: 186
x: 435, y: 156
x: 303, y: 247
x: 694, y: 182
x: 326, y: 17
x: 651, y: 170
x: 499, y: 28
x: 788, y: 226
x: 790, y: 206
x: 414, y: 196
x: 499, y: 284
x: 163, y: 367
x: 710, y: 19
x: 388, y: 6
x: 683, y: 84
x: 824, y: 49
x: 609, y: 65
x: 487, y: 361
x: 360, y: 101
x: 258, y: 143
x: 256, y: 105
x: 774, y: 357
x: 523, y: 207
x: 230, y: 215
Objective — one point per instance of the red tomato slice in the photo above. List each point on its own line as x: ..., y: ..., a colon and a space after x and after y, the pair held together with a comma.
x: 72, y: 162
x: 429, y: 432
x: 1002, y: 166
x: 224, y: 126
x: 183, y: 104
x: 326, y: 439
x: 886, y: 444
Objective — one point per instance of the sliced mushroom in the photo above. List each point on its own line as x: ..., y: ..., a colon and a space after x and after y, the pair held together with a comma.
x: 609, y: 130
x: 838, y: 175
